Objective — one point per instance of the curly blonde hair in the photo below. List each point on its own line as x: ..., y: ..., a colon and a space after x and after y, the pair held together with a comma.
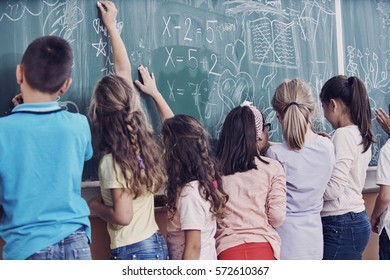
x: 120, y: 128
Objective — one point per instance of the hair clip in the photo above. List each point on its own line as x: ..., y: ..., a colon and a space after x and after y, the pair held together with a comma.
x: 215, y: 184
x: 140, y: 163
x: 246, y: 103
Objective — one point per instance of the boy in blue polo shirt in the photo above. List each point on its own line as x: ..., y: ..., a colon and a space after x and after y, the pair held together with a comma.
x: 42, y: 154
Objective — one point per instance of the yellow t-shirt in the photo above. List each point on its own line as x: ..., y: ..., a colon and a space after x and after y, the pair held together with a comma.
x: 143, y: 224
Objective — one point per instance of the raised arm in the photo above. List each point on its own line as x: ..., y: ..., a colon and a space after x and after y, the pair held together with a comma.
x: 149, y: 87
x: 121, y: 59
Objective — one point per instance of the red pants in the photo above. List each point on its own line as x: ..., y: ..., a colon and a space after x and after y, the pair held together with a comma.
x: 248, y: 251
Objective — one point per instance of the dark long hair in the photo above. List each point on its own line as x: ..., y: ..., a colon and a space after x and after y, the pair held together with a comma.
x: 188, y: 158
x: 352, y: 92
x: 237, y: 147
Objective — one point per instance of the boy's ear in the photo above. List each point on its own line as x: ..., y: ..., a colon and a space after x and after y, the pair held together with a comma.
x: 65, y: 86
x: 19, y: 74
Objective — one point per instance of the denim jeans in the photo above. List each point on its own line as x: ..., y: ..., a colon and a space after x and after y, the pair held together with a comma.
x: 152, y: 248
x: 73, y: 247
x: 384, y: 246
x: 346, y: 236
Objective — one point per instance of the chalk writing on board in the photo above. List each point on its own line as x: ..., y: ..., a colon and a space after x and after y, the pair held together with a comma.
x: 15, y: 10
x: 63, y: 20
x: 271, y: 43
x: 373, y: 71
x: 271, y: 40
x: 101, y: 48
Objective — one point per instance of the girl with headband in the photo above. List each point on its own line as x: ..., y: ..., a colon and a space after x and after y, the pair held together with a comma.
x: 256, y: 186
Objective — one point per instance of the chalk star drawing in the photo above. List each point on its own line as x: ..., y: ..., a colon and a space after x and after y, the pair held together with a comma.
x: 100, y: 47
x: 108, y: 67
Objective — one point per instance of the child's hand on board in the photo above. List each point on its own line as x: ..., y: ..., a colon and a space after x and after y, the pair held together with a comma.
x: 148, y: 84
x: 383, y: 119
x: 18, y: 99
x: 109, y: 13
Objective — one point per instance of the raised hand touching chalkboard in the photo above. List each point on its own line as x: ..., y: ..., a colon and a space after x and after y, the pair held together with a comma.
x: 148, y: 86
x: 121, y: 60
x: 383, y: 119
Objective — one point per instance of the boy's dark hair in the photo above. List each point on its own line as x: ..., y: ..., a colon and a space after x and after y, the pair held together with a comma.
x: 47, y: 63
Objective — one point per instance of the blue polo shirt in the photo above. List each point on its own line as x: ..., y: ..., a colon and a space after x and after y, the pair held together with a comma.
x: 42, y: 154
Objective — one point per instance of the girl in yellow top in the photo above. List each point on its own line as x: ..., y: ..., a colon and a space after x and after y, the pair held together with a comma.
x: 129, y: 170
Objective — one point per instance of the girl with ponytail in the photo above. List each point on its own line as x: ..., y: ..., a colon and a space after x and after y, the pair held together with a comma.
x: 308, y: 160
x: 346, y: 224
x: 130, y: 172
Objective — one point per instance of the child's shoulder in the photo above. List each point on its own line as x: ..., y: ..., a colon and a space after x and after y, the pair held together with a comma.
x: 324, y: 141
x: 277, y: 148
x: 269, y: 164
x: 347, y: 133
x: 190, y: 189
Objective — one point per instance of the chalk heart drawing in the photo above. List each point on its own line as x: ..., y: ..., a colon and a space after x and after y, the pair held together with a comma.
x: 235, y: 52
x: 96, y: 25
x: 234, y: 89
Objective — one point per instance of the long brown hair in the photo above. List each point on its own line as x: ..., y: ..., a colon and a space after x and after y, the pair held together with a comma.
x: 188, y: 158
x: 121, y: 129
x: 352, y: 92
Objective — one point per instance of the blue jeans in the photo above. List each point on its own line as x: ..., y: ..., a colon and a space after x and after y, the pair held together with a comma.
x: 384, y: 246
x: 346, y: 236
x: 73, y: 247
x: 152, y: 248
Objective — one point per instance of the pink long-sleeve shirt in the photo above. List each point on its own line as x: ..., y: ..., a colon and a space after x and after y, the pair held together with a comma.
x: 257, y: 205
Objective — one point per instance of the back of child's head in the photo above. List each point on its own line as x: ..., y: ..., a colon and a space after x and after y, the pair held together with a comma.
x: 237, y: 146
x: 121, y: 128
x: 188, y: 158
x: 294, y: 103
x: 47, y: 63
x: 186, y: 148
x: 353, y: 93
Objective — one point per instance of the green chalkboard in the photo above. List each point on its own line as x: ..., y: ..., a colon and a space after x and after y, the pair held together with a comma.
x: 207, y: 55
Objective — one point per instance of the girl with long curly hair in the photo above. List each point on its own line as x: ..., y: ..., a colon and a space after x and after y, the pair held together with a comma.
x: 195, y: 198
x: 196, y: 201
x: 130, y: 172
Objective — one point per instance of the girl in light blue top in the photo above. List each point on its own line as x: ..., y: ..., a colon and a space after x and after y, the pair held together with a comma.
x: 308, y: 160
